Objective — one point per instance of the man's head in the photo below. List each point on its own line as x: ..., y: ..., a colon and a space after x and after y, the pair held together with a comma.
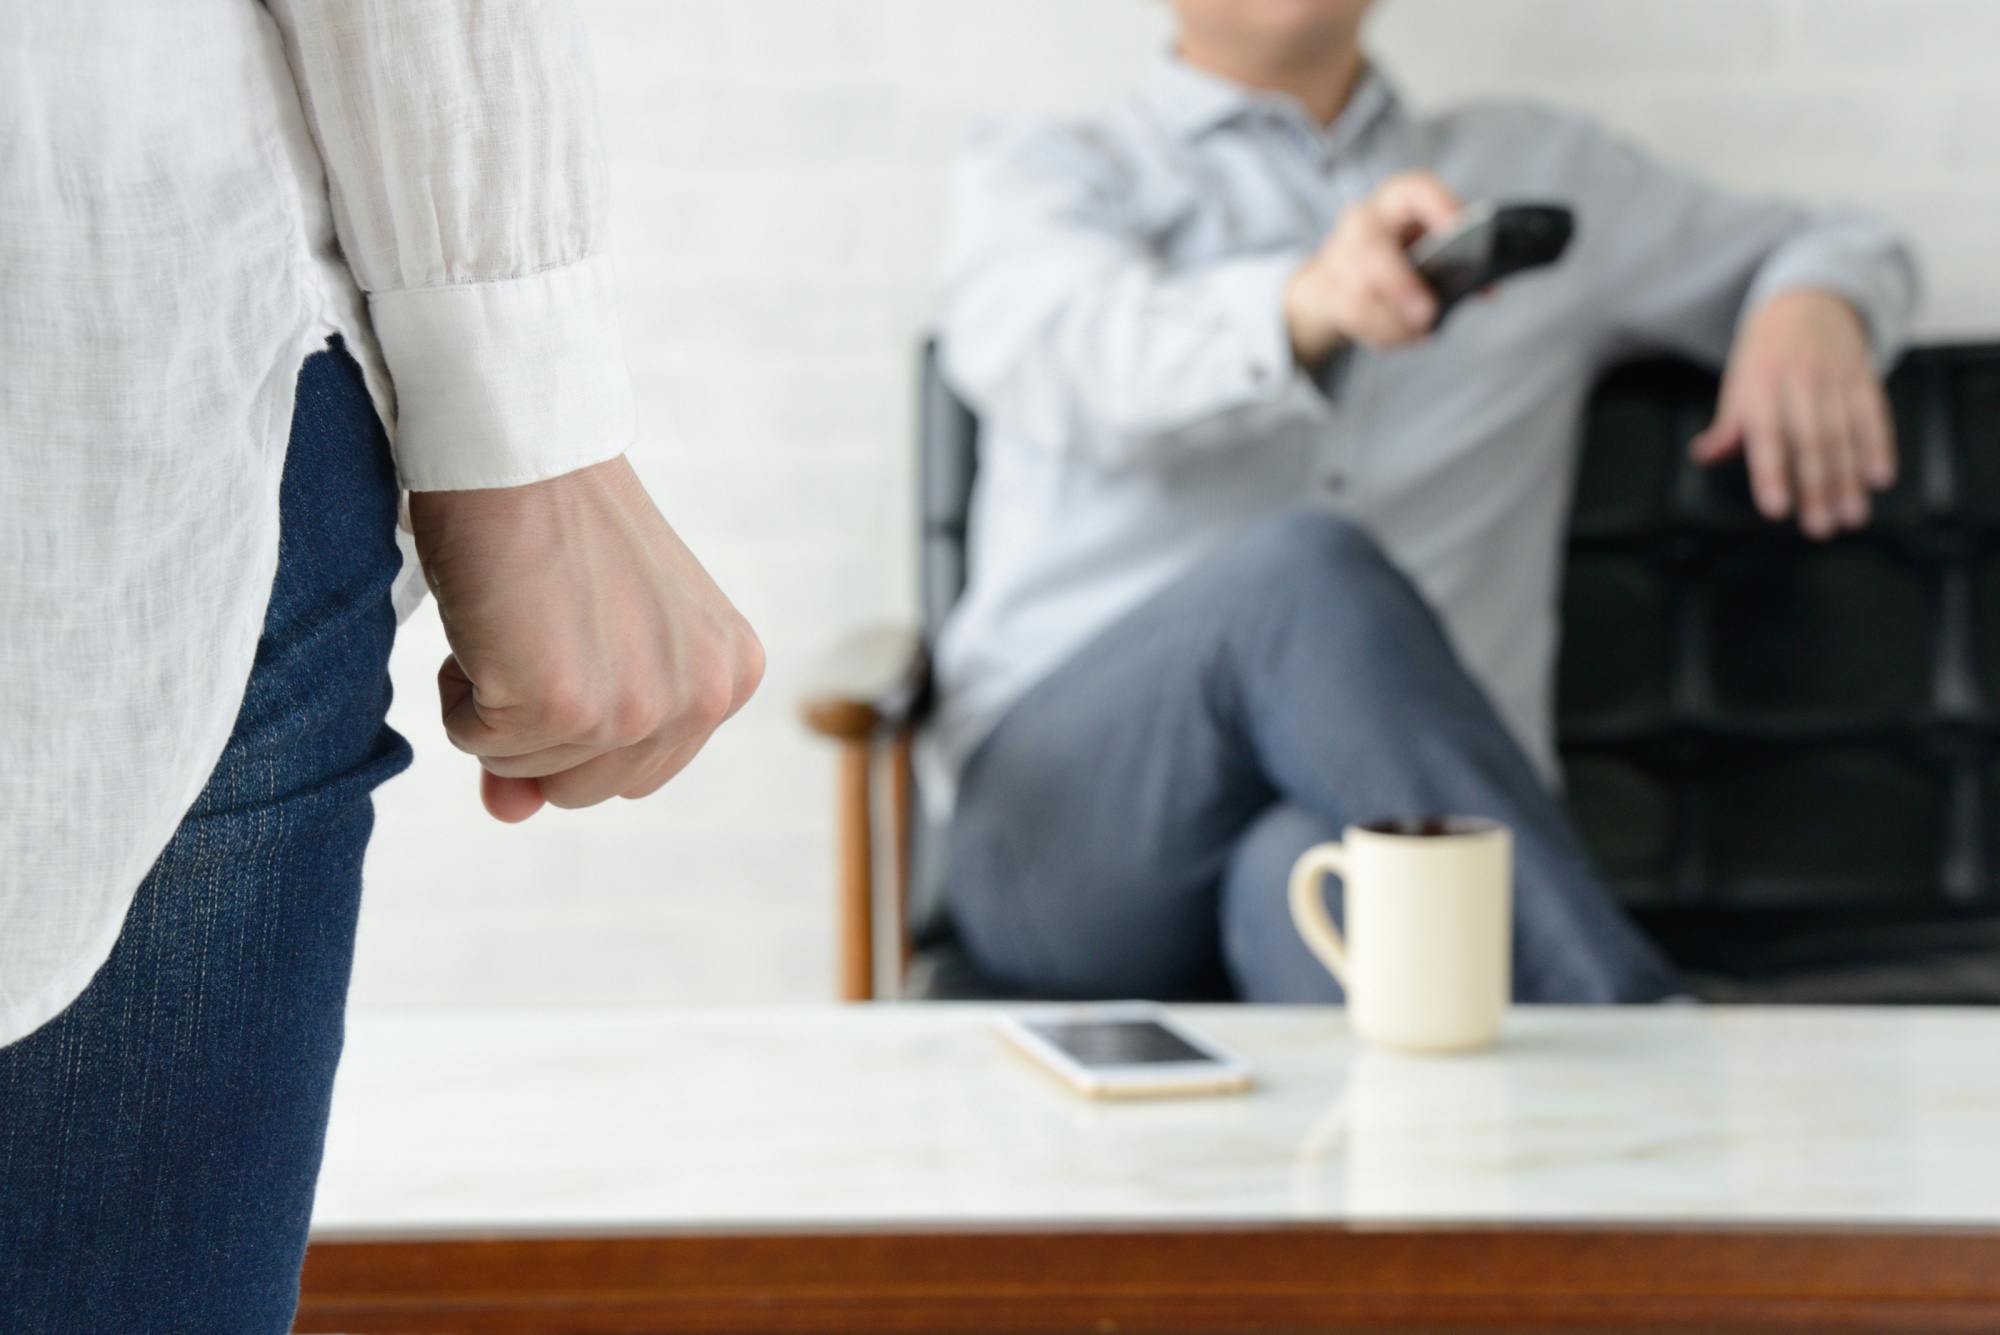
x: 1270, y: 34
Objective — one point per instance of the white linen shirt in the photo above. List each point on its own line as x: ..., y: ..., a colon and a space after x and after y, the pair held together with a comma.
x: 1111, y: 307
x: 193, y: 196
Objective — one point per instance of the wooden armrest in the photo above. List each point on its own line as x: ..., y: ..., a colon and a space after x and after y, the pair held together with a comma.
x: 872, y: 678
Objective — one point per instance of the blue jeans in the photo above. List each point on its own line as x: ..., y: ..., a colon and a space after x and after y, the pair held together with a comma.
x: 159, y: 1139
x: 1128, y: 828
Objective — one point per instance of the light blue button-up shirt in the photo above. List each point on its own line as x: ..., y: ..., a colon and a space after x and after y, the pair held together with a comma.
x: 1111, y: 307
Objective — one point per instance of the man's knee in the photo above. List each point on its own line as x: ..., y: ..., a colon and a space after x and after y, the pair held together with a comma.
x: 1316, y: 541
x: 1318, y: 569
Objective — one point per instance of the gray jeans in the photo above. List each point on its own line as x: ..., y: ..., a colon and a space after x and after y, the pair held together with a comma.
x: 1128, y: 827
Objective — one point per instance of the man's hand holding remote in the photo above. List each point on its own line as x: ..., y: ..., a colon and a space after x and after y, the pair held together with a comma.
x: 1360, y: 286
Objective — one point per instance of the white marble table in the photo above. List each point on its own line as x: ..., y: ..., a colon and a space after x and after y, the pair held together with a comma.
x: 1778, y: 1126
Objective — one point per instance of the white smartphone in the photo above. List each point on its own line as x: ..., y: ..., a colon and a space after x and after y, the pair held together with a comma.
x: 1123, y: 1049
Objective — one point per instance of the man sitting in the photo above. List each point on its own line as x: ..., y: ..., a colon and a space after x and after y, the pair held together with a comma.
x: 1256, y: 551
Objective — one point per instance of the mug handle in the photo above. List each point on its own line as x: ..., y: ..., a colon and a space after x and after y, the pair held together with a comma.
x: 1309, y: 913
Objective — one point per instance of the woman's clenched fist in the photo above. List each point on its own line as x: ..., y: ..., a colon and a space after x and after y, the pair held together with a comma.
x: 592, y: 656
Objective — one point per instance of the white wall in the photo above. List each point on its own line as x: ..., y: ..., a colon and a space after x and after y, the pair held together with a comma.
x: 776, y: 169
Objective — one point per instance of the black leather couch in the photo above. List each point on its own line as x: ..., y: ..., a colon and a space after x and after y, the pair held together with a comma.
x: 1784, y: 755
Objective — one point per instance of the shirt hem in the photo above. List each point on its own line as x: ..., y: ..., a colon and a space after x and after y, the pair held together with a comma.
x: 23, y: 1019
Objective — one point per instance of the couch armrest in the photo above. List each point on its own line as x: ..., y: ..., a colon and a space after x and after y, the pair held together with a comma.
x: 873, y: 678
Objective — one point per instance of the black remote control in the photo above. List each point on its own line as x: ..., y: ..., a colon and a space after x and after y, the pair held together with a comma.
x: 1488, y: 243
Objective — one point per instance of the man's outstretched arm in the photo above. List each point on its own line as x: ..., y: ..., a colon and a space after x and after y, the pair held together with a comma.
x: 591, y: 654
x: 1059, y: 318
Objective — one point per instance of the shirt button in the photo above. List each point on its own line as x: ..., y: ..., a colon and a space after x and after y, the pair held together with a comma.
x: 1336, y: 481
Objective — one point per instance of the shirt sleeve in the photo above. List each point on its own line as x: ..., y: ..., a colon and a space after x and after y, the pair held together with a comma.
x: 1679, y: 263
x: 468, y: 188
x: 1058, y: 315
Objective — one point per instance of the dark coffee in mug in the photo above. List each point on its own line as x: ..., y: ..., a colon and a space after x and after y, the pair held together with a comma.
x: 1430, y: 827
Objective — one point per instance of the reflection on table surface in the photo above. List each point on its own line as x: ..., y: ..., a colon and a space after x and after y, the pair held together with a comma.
x: 918, y: 1113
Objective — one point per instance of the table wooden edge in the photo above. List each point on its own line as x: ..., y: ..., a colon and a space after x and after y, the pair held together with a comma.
x: 1303, y: 1277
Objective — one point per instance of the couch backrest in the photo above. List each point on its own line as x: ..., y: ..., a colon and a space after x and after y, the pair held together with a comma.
x: 1748, y: 720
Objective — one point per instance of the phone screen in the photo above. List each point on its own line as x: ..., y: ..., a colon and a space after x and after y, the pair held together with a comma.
x: 1118, y: 1042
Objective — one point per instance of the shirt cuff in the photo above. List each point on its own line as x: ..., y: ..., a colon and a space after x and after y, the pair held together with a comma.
x: 1882, y: 293
x: 1256, y: 313
x: 499, y: 384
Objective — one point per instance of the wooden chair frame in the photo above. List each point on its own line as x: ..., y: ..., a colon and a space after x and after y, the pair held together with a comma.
x: 868, y: 697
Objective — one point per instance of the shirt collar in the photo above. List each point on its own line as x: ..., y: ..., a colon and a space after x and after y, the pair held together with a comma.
x: 1193, y: 101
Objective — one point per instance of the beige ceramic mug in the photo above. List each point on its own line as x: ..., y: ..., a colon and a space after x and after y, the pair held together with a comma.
x: 1427, y: 957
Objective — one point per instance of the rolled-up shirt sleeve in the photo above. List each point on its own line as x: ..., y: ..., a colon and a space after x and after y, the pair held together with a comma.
x: 1680, y: 262
x: 1059, y: 316
x: 468, y: 187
